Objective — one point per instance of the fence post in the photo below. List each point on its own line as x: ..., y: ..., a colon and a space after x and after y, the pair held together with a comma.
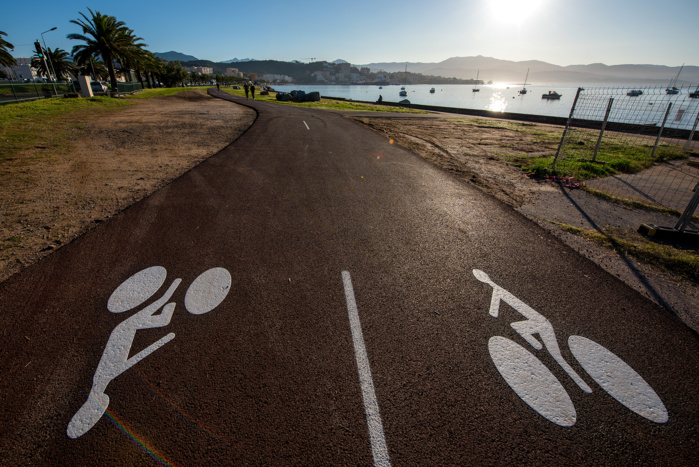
x: 691, y: 134
x: 565, y: 130
x: 604, y: 125
x: 687, y: 214
x: 14, y: 93
x: 660, y: 133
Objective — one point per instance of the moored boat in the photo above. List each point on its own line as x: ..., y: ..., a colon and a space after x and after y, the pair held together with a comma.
x: 432, y: 91
x: 634, y: 92
x: 523, y: 91
x: 672, y: 87
x: 551, y: 95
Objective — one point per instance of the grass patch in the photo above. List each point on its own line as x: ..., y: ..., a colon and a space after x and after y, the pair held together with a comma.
x: 327, y: 104
x: 11, y: 242
x: 673, y: 260
x: 632, y: 203
x: 163, y: 92
x: 46, y: 123
x: 616, y: 155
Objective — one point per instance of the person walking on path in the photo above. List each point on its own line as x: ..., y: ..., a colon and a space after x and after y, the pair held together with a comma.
x: 252, y: 91
x: 247, y: 89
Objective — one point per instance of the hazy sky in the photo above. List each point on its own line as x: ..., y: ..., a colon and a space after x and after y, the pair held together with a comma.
x: 562, y: 32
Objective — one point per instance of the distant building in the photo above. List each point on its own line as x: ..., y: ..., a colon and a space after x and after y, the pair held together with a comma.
x: 202, y: 70
x: 271, y: 78
x: 234, y: 72
x: 23, y: 70
x: 365, y: 70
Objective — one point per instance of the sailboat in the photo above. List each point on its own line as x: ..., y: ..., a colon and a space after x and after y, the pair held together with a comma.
x: 475, y: 89
x: 403, y: 92
x: 524, y: 88
x: 672, y: 87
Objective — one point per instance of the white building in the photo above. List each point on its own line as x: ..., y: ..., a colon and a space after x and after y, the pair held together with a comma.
x: 23, y: 70
x: 271, y: 78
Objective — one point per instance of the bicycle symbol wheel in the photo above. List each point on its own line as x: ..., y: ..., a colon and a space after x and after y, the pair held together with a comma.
x: 534, y: 383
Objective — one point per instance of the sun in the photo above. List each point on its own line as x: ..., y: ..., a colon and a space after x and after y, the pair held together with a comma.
x: 514, y: 12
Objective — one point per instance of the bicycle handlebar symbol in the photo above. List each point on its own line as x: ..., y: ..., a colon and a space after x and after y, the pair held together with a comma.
x: 534, y: 383
x: 204, y: 294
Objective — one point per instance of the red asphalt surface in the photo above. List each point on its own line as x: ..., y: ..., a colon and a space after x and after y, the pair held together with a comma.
x: 269, y: 376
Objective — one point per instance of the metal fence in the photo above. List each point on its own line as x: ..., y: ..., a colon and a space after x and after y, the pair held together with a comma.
x: 128, y: 88
x: 640, y: 143
x: 18, y: 92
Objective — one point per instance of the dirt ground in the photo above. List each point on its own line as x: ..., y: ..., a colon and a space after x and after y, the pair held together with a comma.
x: 107, y: 165
x: 474, y: 152
x: 117, y: 160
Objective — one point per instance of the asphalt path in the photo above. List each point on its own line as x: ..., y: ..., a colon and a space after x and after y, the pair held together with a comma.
x: 336, y: 306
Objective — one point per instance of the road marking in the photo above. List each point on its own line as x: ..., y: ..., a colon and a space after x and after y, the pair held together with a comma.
x: 204, y: 294
x: 304, y: 122
x: 379, y: 450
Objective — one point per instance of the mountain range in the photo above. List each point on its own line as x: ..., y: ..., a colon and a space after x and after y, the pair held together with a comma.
x: 496, y: 70
x: 492, y: 69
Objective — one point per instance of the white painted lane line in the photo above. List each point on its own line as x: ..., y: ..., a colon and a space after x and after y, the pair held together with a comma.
x: 371, y: 407
x: 304, y: 122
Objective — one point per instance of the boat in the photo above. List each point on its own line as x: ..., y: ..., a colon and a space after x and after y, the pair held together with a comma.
x: 475, y: 89
x: 634, y: 92
x: 403, y: 92
x: 404, y: 102
x: 672, y: 87
x: 551, y: 95
x: 695, y: 93
x: 523, y: 91
x: 432, y: 91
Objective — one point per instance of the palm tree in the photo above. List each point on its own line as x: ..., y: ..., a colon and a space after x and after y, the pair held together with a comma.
x: 104, y: 36
x: 134, y: 55
x: 5, y: 58
x: 58, y: 58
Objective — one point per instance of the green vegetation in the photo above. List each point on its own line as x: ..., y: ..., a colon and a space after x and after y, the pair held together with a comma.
x: 163, y: 92
x: 46, y: 123
x: 328, y: 104
x: 617, y: 154
x: 11, y: 242
x: 673, y: 260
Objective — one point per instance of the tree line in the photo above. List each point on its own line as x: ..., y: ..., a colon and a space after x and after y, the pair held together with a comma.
x: 106, y: 41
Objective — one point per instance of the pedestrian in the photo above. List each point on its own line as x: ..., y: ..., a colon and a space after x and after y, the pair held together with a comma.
x: 217, y: 87
x: 252, y: 91
x: 247, y: 90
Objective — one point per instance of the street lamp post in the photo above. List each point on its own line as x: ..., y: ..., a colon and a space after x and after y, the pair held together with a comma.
x: 55, y: 78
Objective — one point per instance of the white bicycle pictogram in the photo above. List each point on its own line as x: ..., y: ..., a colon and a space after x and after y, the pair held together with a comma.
x: 536, y: 385
x: 204, y: 294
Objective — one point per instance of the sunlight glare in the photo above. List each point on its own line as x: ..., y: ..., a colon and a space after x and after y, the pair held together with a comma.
x: 511, y: 12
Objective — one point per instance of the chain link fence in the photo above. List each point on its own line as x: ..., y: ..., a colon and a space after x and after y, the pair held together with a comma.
x: 18, y: 92
x: 639, y: 144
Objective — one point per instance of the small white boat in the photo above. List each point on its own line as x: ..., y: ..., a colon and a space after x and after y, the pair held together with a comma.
x: 551, y: 95
x: 403, y: 92
x: 523, y: 91
x: 672, y: 87
x: 475, y: 89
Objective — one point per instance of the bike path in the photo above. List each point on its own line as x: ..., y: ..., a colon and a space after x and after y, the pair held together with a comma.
x: 269, y: 375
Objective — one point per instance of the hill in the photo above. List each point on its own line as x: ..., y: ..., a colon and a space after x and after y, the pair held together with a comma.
x: 173, y: 56
x: 492, y: 69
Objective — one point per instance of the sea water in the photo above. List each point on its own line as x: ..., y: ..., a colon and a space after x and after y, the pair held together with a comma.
x: 648, y: 109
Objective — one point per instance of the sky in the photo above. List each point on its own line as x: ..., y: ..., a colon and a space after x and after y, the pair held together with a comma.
x: 561, y: 32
